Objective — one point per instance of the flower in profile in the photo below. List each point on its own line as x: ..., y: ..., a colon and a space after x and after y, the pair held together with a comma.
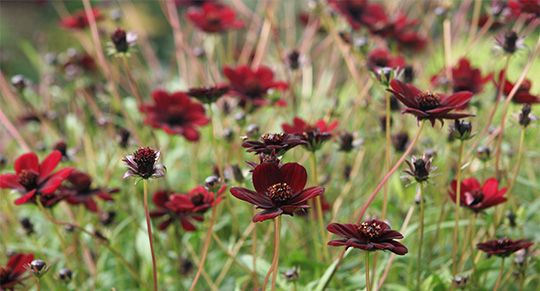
x: 522, y: 95
x: 464, y: 78
x: 503, y: 247
x: 252, y: 85
x: 143, y: 163
x: 411, y: 41
x: 525, y: 117
x: 278, y: 190
x: 278, y: 142
x: 32, y: 179
x: 429, y: 105
x: 359, y: 12
x: 213, y: 18
x: 349, y: 141
x: 11, y: 273
x: 79, y: 19
x: 370, y: 235
x: 175, y: 113
x: 477, y: 197
x: 315, y: 135
x: 122, y: 41
x: 420, y: 169
x: 80, y: 192
x: 510, y: 42
x: 174, y: 207
x: 208, y: 94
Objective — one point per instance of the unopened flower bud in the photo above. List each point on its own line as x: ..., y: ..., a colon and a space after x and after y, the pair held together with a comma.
x: 212, y: 183
x: 65, y: 275
x: 38, y: 268
x: 483, y: 153
x: 461, y: 130
x: 19, y: 82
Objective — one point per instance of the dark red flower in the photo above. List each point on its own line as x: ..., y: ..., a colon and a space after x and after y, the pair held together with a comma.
x: 359, y: 12
x: 78, y: 20
x: 429, y: 105
x: 278, y: 142
x: 189, y: 3
x: 214, y: 18
x: 252, y: 85
x: 314, y: 135
x: 208, y: 94
x: 420, y: 169
x: 176, y: 114
x: 143, y: 163
x: 503, y: 247
x: 278, y: 190
x: 80, y: 192
x: 10, y: 274
x: 411, y: 41
x: 371, y: 235
x: 380, y: 58
x: 32, y: 179
x: 510, y: 42
x: 174, y: 207
x: 203, y: 199
x: 392, y: 25
x: 477, y: 197
x: 464, y: 77
x: 523, y: 95
x: 530, y: 9
x: 78, y: 63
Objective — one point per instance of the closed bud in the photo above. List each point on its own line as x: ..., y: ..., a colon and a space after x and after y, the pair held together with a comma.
x: 483, y: 153
x: 19, y: 82
x: 212, y: 183
x: 461, y: 130
x: 65, y: 275
x: 38, y: 268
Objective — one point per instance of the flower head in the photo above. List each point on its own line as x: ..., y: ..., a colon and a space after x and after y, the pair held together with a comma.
x: 252, y: 85
x: 174, y: 207
x: 464, y: 78
x: 510, y: 42
x: 122, y: 41
x: 522, y: 95
x: 80, y: 192
x: 315, y: 135
x: 278, y: 190
x: 503, y: 247
x: 427, y: 104
x: 79, y: 19
x: 38, y: 268
x: 214, y: 18
x: 420, y: 169
x: 10, y: 274
x: 202, y: 199
x: 370, y: 235
x: 208, y: 94
x: 175, y: 113
x: 461, y: 130
x: 477, y: 197
x: 359, y: 12
x: 143, y: 163
x: 525, y: 117
x: 380, y: 58
x: 32, y: 179
x: 279, y: 142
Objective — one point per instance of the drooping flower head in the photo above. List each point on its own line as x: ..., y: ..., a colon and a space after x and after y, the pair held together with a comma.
x: 315, y: 135
x: 477, y: 197
x: 523, y: 95
x: 214, y: 18
x: 464, y: 78
x: 278, y: 142
x: 79, y: 191
x: 175, y: 113
x: 278, y: 190
x: 429, y: 105
x: 79, y: 19
x: 32, y: 179
x: 10, y: 274
x: 143, y: 163
x: 503, y: 247
x: 252, y: 85
x: 370, y: 235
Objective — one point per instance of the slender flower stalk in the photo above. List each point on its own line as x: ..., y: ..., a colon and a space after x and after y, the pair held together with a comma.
x: 421, y: 238
x: 275, y: 259
x: 500, y: 275
x: 458, y: 204
x: 387, y: 155
x: 214, y: 142
x: 518, y: 164
x: 149, y: 226
x: 318, y: 206
x: 368, y: 285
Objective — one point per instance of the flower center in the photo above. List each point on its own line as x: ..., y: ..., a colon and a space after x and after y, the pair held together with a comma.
x: 4, y: 273
x: 478, y: 197
x: 273, y: 138
x: 428, y: 100
x: 502, y: 242
x: 280, y: 192
x: 145, y: 159
x: 213, y: 19
x: 420, y: 170
x: 197, y: 198
x: 253, y: 89
x: 28, y: 180
x: 370, y: 229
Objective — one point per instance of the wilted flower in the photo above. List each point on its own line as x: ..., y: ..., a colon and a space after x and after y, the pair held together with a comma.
x: 400, y: 141
x: 27, y: 225
x: 279, y: 142
x: 294, y: 60
x: 420, y: 169
x: 32, y: 179
x: 80, y: 192
x: 175, y: 114
x: 315, y: 135
x: 429, y: 105
x: 522, y: 95
x: 214, y: 18
x: 370, y: 235
x: 503, y: 247
x: 510, y: 42
x: 278, y: 190
x: 143, y: 163
x: 348, y: 141
x: 79, y: 20
x: 483, y: 153
x: 477, y: 197
x: 208, y: 94
x: 11, y: 273
x: 252, y: 85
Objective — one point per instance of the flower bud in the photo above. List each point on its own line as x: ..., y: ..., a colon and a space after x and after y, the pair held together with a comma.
x: 483, y: 153
x: 119, y: 40
x: 461, y: 130
x: 65, y: 275
x: 212, y: 183
x: 38, y: 268
x: 19, y: 82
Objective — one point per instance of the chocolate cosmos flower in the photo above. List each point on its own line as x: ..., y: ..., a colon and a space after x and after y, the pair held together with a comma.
x: 10, y: 274
x: 477, y: 197
x: 32, y: 179
x: 174, y: 206
x: 278, y: 190
x: 214, y: 18
x: 429, y: 105
x: 522, y: 95
x: 464, y: 77
x: 503, y: 247
x: 252, y: 85
x: 314, y: 135
x: 371, y: 235
x: 143, y: 164
x: 279, y: 142
x: 80, y: 192
x: 78, y: 20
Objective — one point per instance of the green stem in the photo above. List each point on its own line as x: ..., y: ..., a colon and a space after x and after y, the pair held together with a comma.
x: 458, y: 203
x: 421, y: 239
x: 318, y: 206
x: 38, y: 284
x: 214, y: 142
x: 500, y: 275
x: 149, y: 226
x: 516, y: 171
x: 275, y: 258
x: 368, y: 286
x: 387, y: 154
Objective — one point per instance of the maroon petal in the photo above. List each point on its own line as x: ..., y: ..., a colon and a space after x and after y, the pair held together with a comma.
x: 390, y: 234
x: 48, y: 165
x: 338, y: 242
x: 91, y: 205
x: 252, y: 197
x: 55, y: 180
x: 24, y: 199
x: 490, y: 187
x: 267, y: 214
x: 457, y: 99
x: 295, y: 176
x: 18, y: 262
x: 27, y: 162
x: 415, y: 112
x: 306, y: 195
x: 10, y: 181
x: 266, y: 175
x: 346, y: 230
x: 187, y: 225
x: 355, y: 243
x: 165, y: 224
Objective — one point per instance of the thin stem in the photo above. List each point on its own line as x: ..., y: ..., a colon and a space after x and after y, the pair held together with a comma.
x: 318, y: 206
x: 254, y: 257
x: 405, y: 154
x: 387, y: 154
x: 518, y: 164
x: 206, y: 245
x: 38, y: 284
x: 214, y: 142
x: 500, y: 275
x: 421, y: 239
x: 458, y: 203
x: 277, y: 231
x: 368, y: 286
x: 149, y: 226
